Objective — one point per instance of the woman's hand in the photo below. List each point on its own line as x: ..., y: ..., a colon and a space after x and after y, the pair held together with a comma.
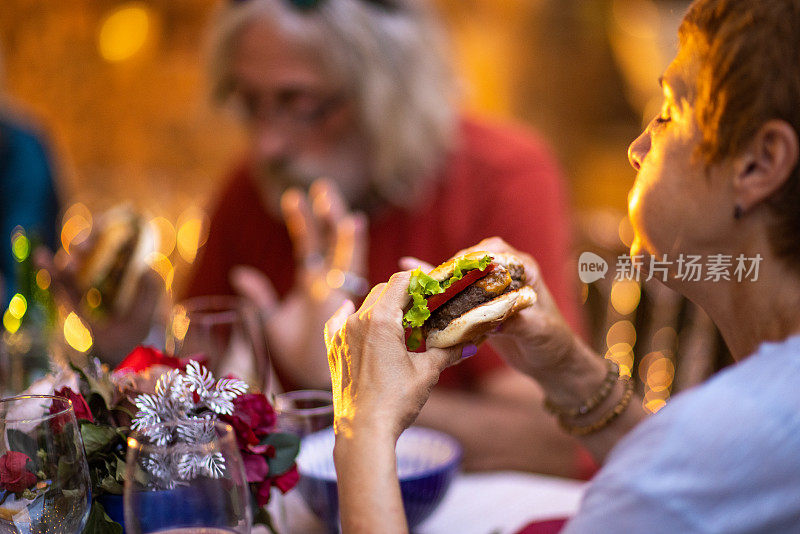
x: 537, y: 338
x: 538, y: 342
x: 378, y: 386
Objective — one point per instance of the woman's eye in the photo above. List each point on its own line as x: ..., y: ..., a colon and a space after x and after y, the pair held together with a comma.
x: 663, y: 118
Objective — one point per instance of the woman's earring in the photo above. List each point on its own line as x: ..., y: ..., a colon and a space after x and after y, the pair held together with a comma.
x: 737, y: 212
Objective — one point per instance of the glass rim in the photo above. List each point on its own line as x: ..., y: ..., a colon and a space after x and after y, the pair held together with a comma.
x: 228, y: 437
x: 304, y: 394
x: 43, y: 417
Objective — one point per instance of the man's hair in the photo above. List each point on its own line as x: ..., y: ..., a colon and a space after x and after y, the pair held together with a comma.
x: 749, y: 74
x: 393, y: 64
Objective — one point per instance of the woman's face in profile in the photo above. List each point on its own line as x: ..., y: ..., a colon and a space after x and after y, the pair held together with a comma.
x: 676, y: 205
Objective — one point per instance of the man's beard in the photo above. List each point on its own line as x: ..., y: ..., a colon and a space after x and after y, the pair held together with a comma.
x: 344, y: 165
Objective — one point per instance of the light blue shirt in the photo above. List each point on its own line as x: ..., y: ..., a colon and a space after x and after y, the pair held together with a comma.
x: 722, y: 457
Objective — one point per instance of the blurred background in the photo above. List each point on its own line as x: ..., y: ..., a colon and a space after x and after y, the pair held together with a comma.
x: 118, y: 90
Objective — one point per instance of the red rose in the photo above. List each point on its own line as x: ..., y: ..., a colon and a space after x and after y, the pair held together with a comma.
x: 255, y: 467
x: 14, y: 477
x: 143, y: 357
x: 245, y: 437
x: 256, y: 412
x: 262, y: 494
x: 284, y: 483
x: 79, y: 405
x: 288, y: 480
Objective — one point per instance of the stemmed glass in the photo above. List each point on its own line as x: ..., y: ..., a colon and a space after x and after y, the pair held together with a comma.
x: 186, y: 477
x: 227, y: 332
x: 301, y: 412
x: 44, y: 478
x: 304, y: 411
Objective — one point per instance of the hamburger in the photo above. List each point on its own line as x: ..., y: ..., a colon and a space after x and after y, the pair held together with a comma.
x: 463, y: 299
x: 116, y: 260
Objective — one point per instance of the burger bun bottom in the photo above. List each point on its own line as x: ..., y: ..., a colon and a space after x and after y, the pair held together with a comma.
x: 473, y: 325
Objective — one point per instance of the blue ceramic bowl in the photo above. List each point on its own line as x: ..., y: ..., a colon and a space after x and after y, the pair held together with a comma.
x: 427, y: 460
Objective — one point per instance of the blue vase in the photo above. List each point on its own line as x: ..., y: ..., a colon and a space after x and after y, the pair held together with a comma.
x: 114, y: 508
x: 193, y: 506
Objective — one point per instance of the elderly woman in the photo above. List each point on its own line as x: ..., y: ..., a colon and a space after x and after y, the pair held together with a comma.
x: 717, y: 175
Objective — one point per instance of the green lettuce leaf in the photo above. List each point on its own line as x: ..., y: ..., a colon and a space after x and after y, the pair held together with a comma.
x: 414, y: 340
x: 423, y: 286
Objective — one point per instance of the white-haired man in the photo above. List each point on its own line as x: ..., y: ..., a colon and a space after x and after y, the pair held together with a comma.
x: 361, y: 92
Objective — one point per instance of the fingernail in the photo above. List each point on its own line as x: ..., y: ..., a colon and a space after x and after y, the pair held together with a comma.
x: 468, y: 351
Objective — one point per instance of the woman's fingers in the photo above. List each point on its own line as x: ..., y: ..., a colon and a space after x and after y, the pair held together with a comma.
x: 373, y: 295
x: 409, y: 263
x: 337, y: 320
x: 437, y: 360
x: 394, y: 296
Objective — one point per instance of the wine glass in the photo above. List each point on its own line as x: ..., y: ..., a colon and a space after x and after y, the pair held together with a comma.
x: 44, y: 478
x: 303, y: 412
x: 186, y: 477
x: 225, y: 331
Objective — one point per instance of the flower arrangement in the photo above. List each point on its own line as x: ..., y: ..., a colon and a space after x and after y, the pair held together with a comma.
x: 148, y: 388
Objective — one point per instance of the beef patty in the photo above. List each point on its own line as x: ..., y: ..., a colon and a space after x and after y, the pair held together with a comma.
x: 474, y: 295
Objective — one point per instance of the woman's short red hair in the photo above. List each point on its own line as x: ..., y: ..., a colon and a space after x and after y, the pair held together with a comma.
x: 749, y: 74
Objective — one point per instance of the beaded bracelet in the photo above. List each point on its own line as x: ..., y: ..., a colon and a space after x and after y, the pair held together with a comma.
x: 592, y: 402
x: 616, y: 411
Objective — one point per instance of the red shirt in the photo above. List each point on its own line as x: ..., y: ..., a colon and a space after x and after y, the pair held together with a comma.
x: 501, y: 181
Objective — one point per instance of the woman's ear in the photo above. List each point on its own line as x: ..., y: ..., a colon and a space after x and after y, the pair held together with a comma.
x: 766, y: 164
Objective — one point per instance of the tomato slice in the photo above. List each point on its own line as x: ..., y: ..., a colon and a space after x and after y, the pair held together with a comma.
x: 437, y: 301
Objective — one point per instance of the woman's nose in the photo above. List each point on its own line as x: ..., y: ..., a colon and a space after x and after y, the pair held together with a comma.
x: 638, y: 150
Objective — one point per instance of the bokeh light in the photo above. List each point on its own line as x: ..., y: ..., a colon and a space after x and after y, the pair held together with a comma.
x: 621, y: 332
x: 192, y: 233
x: 11, y: 323
x: 20, y: 244
x: 94, y: 298
x: 124, y: 32
x: 654, y: 405
x: 167, y: 235
x: 335, y: 278
x: 180, y: 322
x: 77, y: 334
x: 43, y: 279
x: 665, y: 338
x: 660, y: 374
x: 18, y: 306
x: 77, y: 226
x: 163, y: 266
x: 622, y: 355
x: 625, y: 295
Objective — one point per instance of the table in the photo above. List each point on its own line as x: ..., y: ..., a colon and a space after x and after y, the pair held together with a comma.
x: 479, y: 503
